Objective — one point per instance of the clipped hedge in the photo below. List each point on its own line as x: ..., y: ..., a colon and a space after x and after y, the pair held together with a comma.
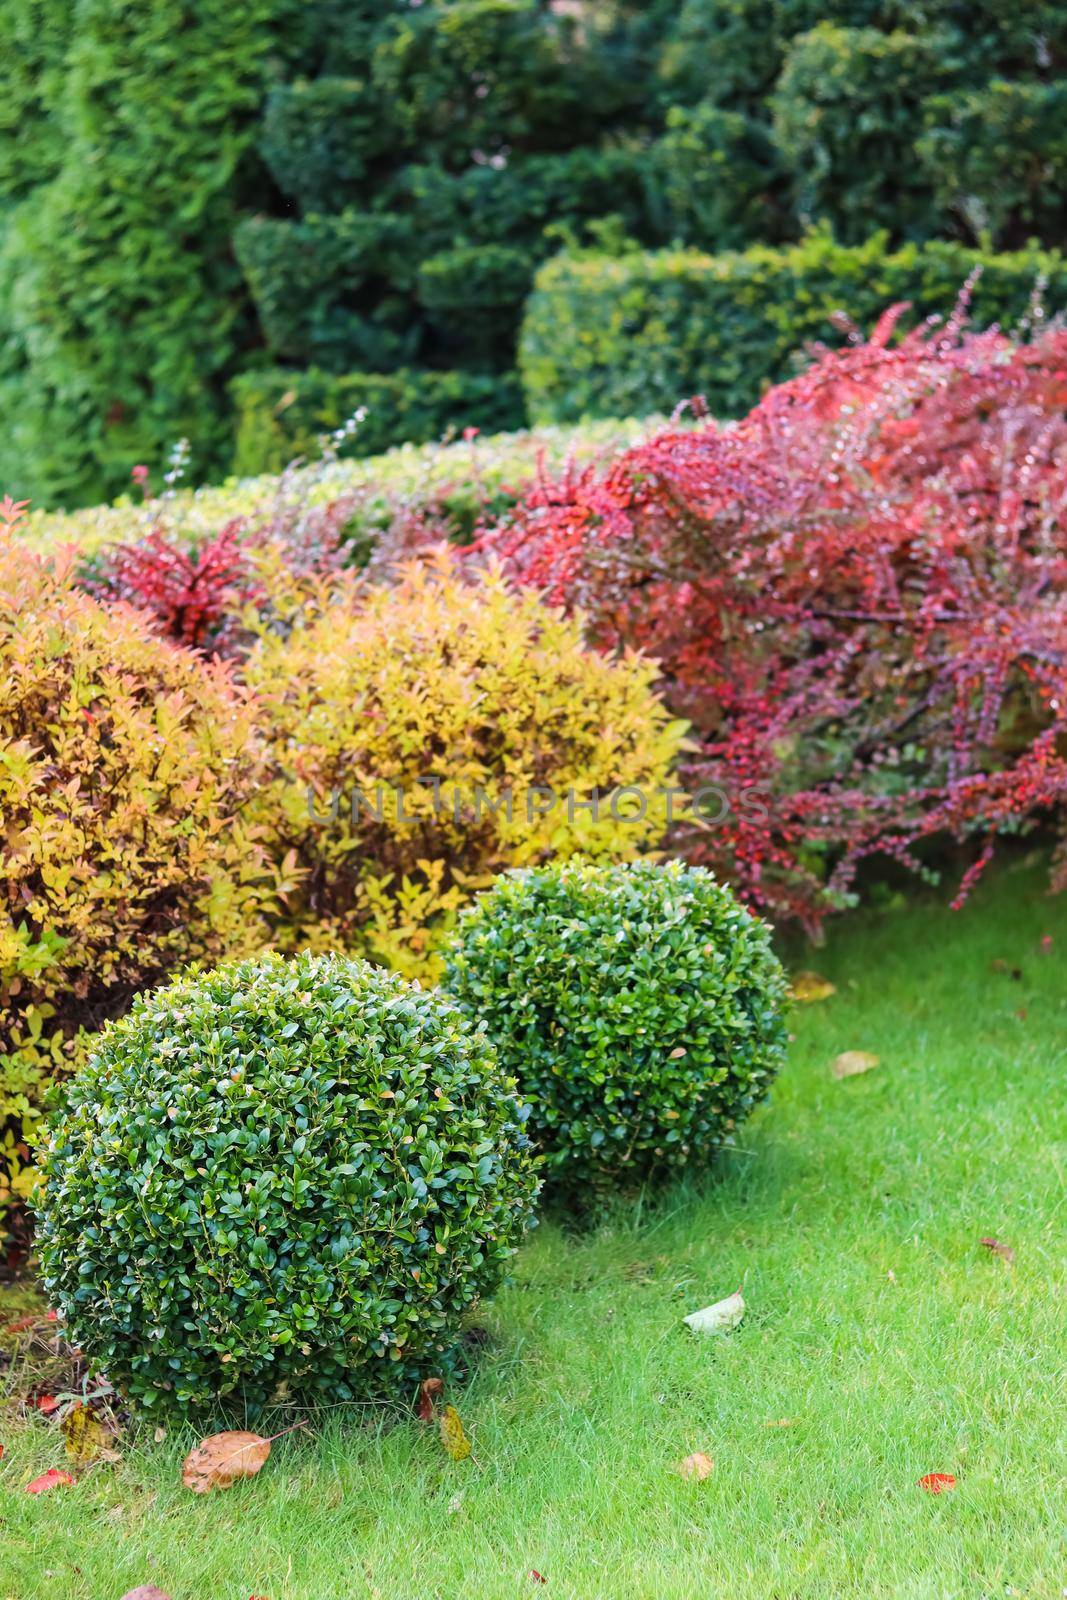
x: 638, y: 1005
x: 282, y: 1178
x: 282, y: 413
x: 605, y: 334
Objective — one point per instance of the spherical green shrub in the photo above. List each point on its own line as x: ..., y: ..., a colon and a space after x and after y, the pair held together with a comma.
x: 294, y: 1173
x: 639, y: 1007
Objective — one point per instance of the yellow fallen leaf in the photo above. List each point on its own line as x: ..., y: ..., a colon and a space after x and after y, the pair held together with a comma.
x: 453, y: 1437
x: 696, y: 1467
x: 85, y: 1437
x: 850, y: 1063
x: 807, y: 987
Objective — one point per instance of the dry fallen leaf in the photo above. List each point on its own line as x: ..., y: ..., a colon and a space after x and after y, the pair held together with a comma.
x: 52, y: 1479
x: 697, y: 1467
x: 810, y: 986
x: 430, y: 1392
x: 723, y: 1316
x: 850, y: 1063
x: 535, y: 1576
x: 781, y: 1422
x: 46, y: 1404
x: 453, y: 1437
x: 997, y: 1248
x: 937, y: 1482
x: 86, y: 1438
x: 219, y: 1461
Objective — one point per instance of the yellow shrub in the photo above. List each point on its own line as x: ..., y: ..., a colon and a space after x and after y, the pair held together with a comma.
x: 401, y: 719
x: 124, y: 767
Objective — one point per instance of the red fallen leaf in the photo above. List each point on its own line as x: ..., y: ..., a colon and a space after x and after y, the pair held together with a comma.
x: 1046, y: 942
x: 52, y: 1479
x: 536, y: 1576
x: 46, y: 1404
x: 1, y: 1452
x: 430, y: 1391
x: 937, y: 1482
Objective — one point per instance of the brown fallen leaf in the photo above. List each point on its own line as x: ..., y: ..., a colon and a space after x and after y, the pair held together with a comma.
x: 219, y: 1461
x: 808, y: 987
x: 430, y: 1392
x: 850, y: 1063
x: 453, y: 1437
x: 86, y: 1438
x: 696, y: 1467
x: 997, y: 1248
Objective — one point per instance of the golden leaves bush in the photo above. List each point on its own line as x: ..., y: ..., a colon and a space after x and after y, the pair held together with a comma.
x: 401, y: 718
x: 125, y: 767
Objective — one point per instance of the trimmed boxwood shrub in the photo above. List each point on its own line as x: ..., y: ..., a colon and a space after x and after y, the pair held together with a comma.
x: 639, y: 1006
x: 282, y: 1173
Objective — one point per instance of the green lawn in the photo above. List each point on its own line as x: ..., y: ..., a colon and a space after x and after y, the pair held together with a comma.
x: 876, y: 1322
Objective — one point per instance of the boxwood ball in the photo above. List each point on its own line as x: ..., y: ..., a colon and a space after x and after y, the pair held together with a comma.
x: 296, y: 1173
x: 639, y: 1007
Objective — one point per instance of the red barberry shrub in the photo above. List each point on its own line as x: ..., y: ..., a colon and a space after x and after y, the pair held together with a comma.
x: 857, y: 595
x: 188, y: 590
x: 196, y: 592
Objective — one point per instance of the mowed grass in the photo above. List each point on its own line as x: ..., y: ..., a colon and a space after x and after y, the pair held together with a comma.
x: 877, y: 1325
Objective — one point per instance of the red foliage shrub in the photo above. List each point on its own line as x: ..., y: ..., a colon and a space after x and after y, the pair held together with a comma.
x: 857, y: 595
x: 195, y: 592
x: 187, y: 589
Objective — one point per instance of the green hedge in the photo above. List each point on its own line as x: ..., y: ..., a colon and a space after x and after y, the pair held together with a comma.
x: 439, y: 267
x: 281, y: 413
x: 190, y: 191
x: 126, y: 314
x: 846, y: 109
x: 604, y: 336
